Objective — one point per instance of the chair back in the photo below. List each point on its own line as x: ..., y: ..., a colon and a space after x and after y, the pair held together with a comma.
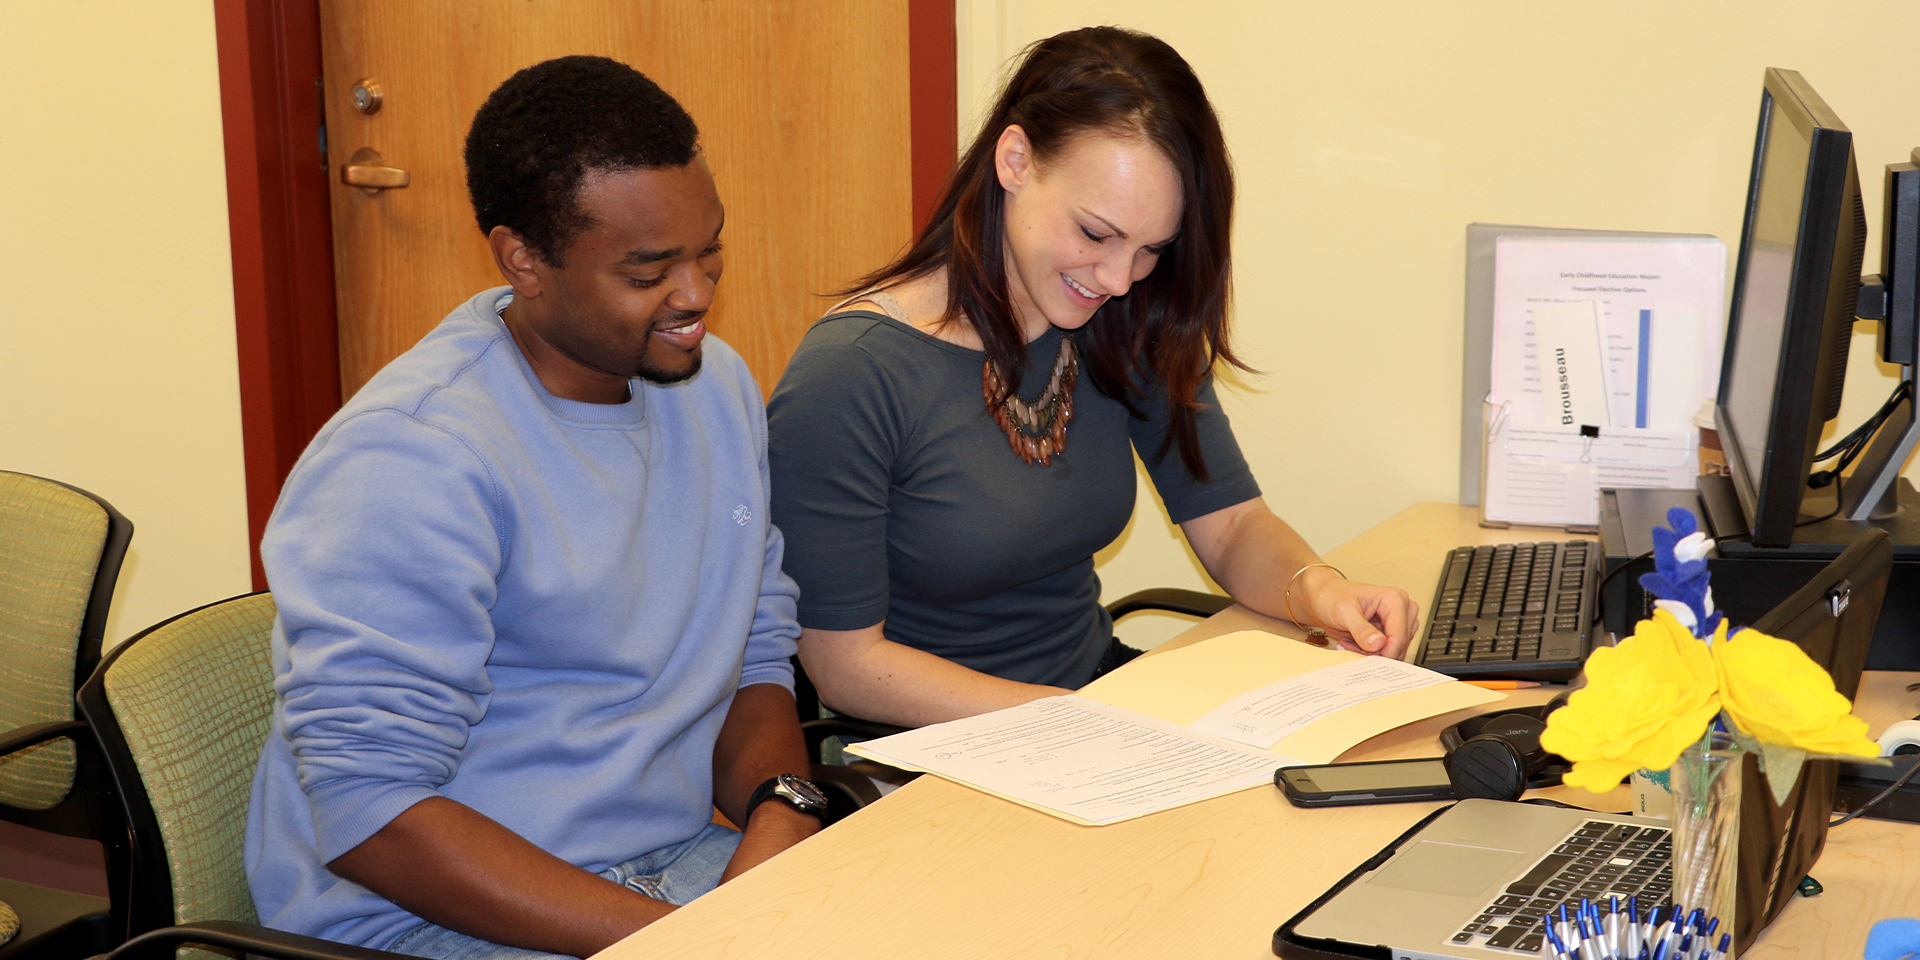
x: 181, y: 712
x: 60, y: 554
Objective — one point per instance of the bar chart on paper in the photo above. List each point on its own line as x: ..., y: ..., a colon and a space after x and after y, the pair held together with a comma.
x: 1603, y: 348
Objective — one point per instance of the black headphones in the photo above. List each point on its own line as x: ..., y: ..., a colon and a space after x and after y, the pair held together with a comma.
x: 1497, y: 756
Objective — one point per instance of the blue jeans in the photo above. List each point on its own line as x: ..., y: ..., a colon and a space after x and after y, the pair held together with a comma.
x: 674, y: 874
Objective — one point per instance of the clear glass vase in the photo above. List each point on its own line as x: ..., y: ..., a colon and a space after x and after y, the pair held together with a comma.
x: 1705, y: 782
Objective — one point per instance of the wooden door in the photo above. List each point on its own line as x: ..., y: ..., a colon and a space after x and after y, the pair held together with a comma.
x: 803, y: 109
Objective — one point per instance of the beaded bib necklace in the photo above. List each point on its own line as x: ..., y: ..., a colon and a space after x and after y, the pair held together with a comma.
x: 1036, y: 429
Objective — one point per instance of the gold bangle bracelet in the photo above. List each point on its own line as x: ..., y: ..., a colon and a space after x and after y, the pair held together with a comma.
x: 1315, y: 635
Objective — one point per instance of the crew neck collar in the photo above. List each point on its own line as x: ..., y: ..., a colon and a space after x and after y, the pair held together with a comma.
x: 631, y: 413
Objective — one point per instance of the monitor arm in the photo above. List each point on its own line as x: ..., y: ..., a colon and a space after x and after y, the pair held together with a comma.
x: 1892, y: 298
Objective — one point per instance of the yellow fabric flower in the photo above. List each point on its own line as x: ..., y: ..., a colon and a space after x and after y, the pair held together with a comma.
x: 1778, y: 695
x: 1645, y: 700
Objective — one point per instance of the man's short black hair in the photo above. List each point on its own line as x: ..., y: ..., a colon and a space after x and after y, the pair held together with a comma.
x: 550, y: 125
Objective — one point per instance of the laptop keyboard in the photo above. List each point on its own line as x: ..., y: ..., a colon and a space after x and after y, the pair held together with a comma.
x: 1597, y: 860
x: 1520, y: 611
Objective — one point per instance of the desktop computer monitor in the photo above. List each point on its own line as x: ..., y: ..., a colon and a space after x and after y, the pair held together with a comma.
x: 1795, y: 290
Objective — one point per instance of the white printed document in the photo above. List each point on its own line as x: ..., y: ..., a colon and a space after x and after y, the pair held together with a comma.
x: 1266, y: 716
x: 1122, y: 747
x: 1611, y: 343
x: 1080, y: 759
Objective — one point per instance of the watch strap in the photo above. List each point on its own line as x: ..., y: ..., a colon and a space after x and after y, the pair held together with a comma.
x: 769, y: 790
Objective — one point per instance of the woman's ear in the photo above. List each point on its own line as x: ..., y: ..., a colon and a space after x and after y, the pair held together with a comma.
x: 1013, y: 158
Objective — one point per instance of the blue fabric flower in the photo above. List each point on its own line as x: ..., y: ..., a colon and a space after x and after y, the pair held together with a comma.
x: 1683, y: 581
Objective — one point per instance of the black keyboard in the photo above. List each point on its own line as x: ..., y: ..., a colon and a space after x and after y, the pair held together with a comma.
x: 1520, y: 611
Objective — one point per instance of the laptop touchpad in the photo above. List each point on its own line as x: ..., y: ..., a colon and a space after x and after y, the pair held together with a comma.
x: 1448, y: 868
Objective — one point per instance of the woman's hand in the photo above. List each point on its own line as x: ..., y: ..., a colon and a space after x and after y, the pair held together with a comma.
x: 1359, y: 616
x: 1255, y: 555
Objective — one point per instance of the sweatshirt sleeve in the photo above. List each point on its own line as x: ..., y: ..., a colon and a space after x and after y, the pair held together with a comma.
x: 382, y: 559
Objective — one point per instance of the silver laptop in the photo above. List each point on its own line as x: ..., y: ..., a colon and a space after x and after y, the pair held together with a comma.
x: 1472, y: 880
x: 1480, y: 880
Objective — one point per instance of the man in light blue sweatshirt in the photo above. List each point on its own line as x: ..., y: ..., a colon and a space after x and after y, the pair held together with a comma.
x: 532, y: 626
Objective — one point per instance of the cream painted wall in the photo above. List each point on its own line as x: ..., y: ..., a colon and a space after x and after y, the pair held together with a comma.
x: 1368, y: 134
x: 117, y: 362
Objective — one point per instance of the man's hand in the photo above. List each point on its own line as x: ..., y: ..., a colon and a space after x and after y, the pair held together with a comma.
x: 773, y: 827
x: 451, y: 865
x: 760, y: 739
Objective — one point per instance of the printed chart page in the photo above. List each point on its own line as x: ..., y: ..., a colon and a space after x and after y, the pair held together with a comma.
x: 1603, y: 349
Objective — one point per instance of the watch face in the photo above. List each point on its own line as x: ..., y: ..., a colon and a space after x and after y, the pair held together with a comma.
x: 804, y: 790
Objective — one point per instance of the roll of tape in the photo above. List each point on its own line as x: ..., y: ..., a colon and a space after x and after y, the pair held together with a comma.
x: 1901, y: 738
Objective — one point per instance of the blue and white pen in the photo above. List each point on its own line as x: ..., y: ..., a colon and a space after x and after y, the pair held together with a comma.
x: 1726, y: 942
x: 1558, y: 946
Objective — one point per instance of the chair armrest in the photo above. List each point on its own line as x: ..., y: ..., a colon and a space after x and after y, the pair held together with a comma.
x: 246, y: 938
x: 816, y: 732
x: 20, y: 738
x: 847, y: 791
x: 1193, y: 603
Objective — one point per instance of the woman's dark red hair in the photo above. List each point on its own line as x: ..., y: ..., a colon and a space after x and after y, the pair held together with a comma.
x: 1170, y: 330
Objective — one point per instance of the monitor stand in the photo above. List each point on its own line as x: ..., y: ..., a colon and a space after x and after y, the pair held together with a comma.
x: 1749, y: 580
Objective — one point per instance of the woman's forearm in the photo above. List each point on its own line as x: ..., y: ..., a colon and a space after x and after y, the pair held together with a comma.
x: 863, y: 674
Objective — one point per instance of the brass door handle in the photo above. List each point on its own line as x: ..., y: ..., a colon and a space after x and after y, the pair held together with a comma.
x: 366, y: 169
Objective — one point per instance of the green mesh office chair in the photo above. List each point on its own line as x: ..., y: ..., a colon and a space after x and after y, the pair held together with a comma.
x: 60, y: 554
x: 181, y: 712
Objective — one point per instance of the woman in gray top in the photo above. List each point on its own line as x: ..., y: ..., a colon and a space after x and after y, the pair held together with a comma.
x: 951, y: 447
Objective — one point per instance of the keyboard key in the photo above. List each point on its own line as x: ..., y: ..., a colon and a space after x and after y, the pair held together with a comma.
x: 1463, y: 937
x: 1539, y: 875
x: 1528, y: 944
x: 1507, y: 936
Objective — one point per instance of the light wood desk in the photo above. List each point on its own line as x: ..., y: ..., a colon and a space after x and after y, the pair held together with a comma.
x: 939, y: 870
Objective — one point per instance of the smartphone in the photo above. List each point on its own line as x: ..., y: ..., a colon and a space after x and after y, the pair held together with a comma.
x: 1372, y: 781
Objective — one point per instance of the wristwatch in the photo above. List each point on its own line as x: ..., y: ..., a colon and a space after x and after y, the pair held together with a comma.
x: 796, y: 792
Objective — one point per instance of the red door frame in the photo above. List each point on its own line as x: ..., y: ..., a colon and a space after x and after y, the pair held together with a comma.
x: 282, y: 238
x: 282, y: 231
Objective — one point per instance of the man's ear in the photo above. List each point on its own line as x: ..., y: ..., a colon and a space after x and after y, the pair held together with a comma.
x: 524, y: 269
x: 1013, y: 158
